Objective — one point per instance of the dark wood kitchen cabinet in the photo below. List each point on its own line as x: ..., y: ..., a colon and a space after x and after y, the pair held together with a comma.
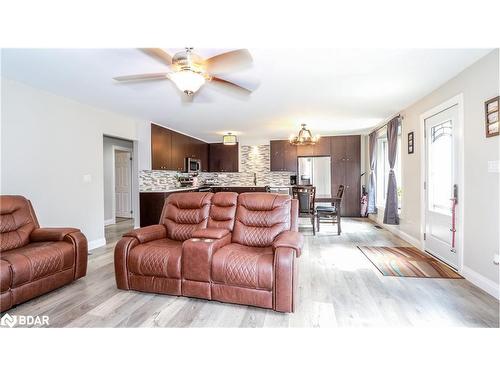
x: 223, y: 158
x: 346, y: 170
x: 199, y: 150
x: 151, y: 206
x: 323, y: 147
x: 239, y: 189
x: 305, y: 150
x: 161, y: 147
x: 180, y: 148
x: 169, y: 150
x: 283, y: 156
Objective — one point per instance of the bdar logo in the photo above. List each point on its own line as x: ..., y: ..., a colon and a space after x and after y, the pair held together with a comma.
x: 8, y: 320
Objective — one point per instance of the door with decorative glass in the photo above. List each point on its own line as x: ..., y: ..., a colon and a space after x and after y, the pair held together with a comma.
x: 441, y: 185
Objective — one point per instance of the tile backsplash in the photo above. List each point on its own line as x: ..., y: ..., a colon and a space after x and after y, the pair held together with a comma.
x: 254, y: 162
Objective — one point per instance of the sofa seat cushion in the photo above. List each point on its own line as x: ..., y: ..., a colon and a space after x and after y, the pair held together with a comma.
x: 244, y: 266
x: 161, y: 258
x: 38, y: 259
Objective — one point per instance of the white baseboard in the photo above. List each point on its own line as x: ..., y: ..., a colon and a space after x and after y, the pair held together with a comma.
x: 398, y: 232
x: 481, y: 282
x: 96, y: 243
x: 475, y: 278
x: 109, y: 221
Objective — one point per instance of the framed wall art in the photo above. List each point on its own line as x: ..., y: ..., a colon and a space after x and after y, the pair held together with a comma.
x: 491, y: 116
x: 411, y: 143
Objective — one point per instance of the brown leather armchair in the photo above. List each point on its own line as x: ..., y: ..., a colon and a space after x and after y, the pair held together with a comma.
x: 240, y: 249
x: 149, y: 259
x: 35, y: 260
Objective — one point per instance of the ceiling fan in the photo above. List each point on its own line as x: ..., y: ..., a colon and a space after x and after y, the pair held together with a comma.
x: 189, y: 71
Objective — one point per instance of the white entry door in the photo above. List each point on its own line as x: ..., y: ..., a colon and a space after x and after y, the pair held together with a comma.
x: 441, y: 187
x: 123, y: 186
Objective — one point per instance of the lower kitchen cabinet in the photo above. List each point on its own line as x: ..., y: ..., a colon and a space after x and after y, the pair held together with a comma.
x: 239, y: 189
x: 151, y: 206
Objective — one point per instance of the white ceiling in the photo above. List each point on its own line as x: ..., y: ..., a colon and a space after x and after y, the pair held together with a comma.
x: 334, y: 91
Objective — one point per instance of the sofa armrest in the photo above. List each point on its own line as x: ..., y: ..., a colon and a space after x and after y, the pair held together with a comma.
x: 147, y: 234
x: 122, y: 250
x: 71, y: 235
x: 292, y: 240
x: 212, y: 233
x: 51, y: 234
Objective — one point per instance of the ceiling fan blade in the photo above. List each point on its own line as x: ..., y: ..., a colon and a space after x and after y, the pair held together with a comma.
x: 159, y: 54
x: 142, y: 77
x: 229, y: 61
x: 231, y: 85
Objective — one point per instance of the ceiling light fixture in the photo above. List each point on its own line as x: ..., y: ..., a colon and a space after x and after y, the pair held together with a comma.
x: 304, y: 138
x: 229, y: 139
x: 188, y: 81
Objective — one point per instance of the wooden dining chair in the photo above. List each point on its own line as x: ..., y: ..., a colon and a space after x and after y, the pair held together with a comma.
x: 306, y: 195
x: 331, y: 214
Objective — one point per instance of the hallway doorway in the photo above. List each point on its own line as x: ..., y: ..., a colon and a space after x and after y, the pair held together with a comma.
x: 120, y: 177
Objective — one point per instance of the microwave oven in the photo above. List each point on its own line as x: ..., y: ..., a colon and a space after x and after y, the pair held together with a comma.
x: 193, y: 165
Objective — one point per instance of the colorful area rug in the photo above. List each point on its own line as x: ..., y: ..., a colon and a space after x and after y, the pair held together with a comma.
x: 407, y: 262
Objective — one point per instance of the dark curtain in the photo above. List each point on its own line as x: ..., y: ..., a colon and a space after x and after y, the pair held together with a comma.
x: 391, y: 205
x: 372, y: 185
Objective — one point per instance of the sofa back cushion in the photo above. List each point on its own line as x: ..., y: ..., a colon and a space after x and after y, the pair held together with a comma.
x: 260, y: 217
x: 184, y: 213
x: 223, y: 210
x: 17, y: 221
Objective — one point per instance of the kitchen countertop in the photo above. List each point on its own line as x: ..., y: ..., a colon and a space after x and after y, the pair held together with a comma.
x: 173, y: 190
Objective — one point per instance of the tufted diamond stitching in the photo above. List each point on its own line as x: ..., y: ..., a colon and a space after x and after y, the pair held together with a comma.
x: 7, y: 223
x: 256, y: 236
x: 46, y: 262
x: 186, y: 216
x: 154, y: 262
x: 182, y: 232
x: 241, y: 268
x: 257, y: 218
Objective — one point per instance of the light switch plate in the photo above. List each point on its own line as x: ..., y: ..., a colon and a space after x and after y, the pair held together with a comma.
x: 87, y: 178
x: 494, y: 166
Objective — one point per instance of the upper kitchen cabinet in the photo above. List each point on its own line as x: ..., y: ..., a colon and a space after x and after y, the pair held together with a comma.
x: 223, y: 158
x: 305, y: 150
x: 338, y: 148
x: 283, y: 156
x: 180, y: 149
x: 170, y: 149
x: 322, y: 148
x: 161, y: 147
x: 199, y: 150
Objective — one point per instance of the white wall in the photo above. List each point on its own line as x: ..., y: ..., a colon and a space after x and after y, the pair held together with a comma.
x: 49, y: 143
x: 108, y: 167
x: 477, y: 83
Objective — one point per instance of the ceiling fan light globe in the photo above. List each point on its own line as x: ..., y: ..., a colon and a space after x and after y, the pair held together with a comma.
x: 187, y: 81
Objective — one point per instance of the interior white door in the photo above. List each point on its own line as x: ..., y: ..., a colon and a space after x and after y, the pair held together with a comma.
x: 123, y: 186
x: 441, y: 187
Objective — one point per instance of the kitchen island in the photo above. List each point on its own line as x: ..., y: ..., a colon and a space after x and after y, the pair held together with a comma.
x: 151, y: 202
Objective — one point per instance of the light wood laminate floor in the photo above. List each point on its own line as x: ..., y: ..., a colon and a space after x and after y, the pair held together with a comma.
x: 338, y: 287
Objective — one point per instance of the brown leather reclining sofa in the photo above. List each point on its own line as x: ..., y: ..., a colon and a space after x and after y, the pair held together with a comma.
x: 35, y: 260
x: 225, y: 247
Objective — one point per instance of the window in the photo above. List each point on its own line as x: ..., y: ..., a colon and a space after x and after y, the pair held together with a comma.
x: 382, y: 171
